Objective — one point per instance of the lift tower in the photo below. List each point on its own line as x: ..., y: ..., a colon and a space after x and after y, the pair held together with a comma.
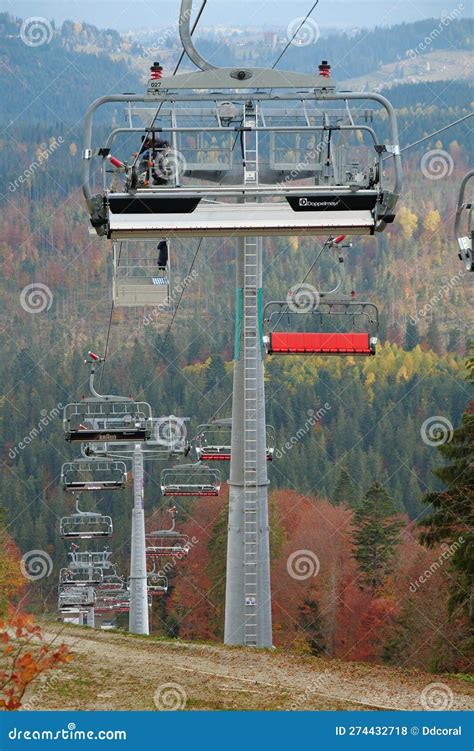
x: 248, y: 618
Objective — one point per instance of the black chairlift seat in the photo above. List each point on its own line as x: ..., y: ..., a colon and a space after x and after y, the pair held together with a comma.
x: 86, y: 525
x: 80, y: 577
x: 93, y: 474
x: 151, y: 214
x: 283, y: 337
x: 104, y: 420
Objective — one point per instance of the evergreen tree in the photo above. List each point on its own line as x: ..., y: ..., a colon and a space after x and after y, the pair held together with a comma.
x: 310, y: 622
x: 434, y: 338
x: 451, y: 520
x: 344, y: 490
x: 376, y: 536
x: 412, y: 336
x: 215, y: 373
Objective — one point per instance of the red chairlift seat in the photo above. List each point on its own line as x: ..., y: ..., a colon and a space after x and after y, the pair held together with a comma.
x: 190, y: 480
x: 302, y: 343
x: 279, y: 316
x: 213, y: 441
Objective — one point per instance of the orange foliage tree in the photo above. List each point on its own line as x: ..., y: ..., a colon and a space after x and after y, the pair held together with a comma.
x: 23, y: 657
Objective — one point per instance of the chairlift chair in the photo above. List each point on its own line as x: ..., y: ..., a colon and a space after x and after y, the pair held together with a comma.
x: 141, y: 277
x: 165, y: 543
x: 157, y: 585
x: 464, y: 216
x: 301, y: 192
x: 85, y: 525
x: 316, y: 329
x: 111, y: 583
x: 201, y: 167
x: 118, y: 602
x: 80, y: 577
x: 82, y: 559
x: 212, y: 442
x: 93, y: 474
x: 76, y: 597
x: 190, y: 480
x: 107, y: 420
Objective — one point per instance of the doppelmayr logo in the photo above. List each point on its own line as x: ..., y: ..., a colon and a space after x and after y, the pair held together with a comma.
x: 317, y: 204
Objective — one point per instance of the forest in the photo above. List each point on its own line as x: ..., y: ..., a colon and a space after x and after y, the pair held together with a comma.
x: 359, y: 468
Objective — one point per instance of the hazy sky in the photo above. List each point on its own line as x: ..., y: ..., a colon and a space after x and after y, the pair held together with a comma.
x: 134, y: 14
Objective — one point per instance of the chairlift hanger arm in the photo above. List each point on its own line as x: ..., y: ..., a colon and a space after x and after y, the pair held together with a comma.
x: 94, y: 361
x: 461, y: 205
x: 186, y: 38
x: 465, y: 241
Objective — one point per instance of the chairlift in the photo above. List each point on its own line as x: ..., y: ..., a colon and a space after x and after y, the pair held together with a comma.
x: 82, y: 559
x: 329, y: 326
x: 107, y: 420
x: 111, y: 583
x: 93, y: 474
x: 80, y: 577
x: 281, y: 142
x: 212, y: 442
x: 464, y: 215
x: 164, y: 543
x: 141, y: 276
x: 118, y: 602
x: 157, y: 585
x: 190, y: 480
x: 85, y: 525
x: 74, y: 596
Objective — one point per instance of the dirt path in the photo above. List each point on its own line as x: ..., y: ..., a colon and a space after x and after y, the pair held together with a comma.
x: 115, y: 671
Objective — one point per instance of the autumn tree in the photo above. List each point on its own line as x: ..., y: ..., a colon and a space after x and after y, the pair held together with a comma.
x: 24, y: 656
x: 376, y: 536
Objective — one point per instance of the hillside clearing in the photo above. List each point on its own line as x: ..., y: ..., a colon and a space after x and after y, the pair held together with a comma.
x: 122, y: 672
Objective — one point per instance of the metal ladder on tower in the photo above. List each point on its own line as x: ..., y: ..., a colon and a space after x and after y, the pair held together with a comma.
x: 251, y: 342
